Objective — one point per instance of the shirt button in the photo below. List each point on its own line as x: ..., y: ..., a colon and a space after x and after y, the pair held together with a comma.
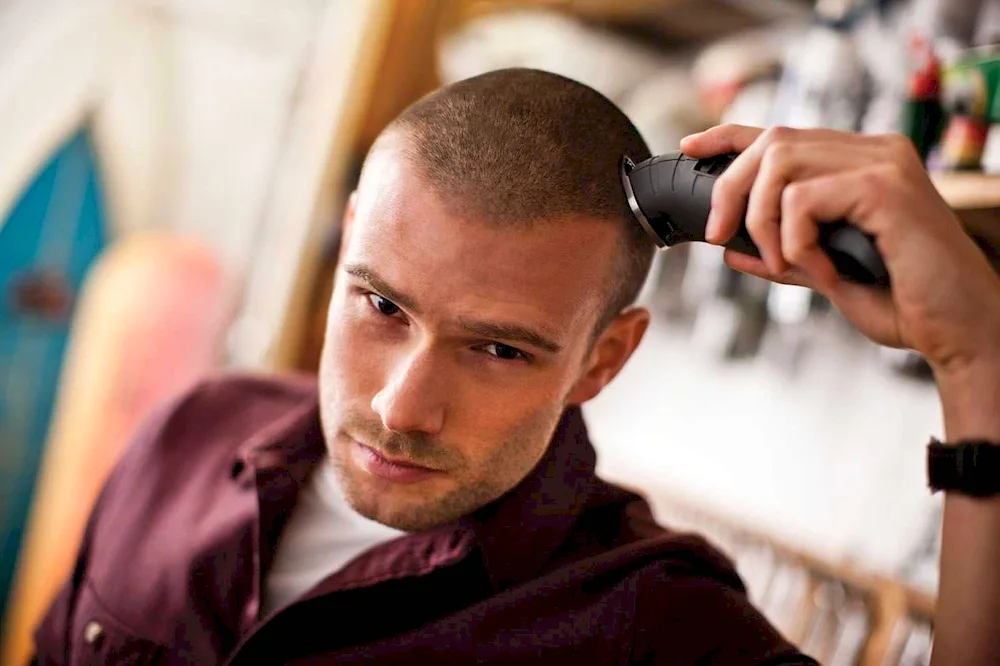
x: 93, y: 634
x: 237, y: 469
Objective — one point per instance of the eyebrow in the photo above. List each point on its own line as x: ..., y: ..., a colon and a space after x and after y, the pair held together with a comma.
x: 381, y: 286
x: 512, y: 332
x: 486, y: 329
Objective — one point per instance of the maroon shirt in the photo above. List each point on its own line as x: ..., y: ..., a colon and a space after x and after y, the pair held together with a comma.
x: 563, y: 569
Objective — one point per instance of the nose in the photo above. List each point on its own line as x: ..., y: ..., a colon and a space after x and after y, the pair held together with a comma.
x: 412, y: 399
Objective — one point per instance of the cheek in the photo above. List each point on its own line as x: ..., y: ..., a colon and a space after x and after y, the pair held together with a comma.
x: 510, y: 436
x: 348, y: 366
x: 508, y: 415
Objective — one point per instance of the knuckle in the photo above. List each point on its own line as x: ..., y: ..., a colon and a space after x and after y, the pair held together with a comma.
x: 795, y: 251
x: 729, y: 132
x: 885, y: 178
x: 898, y: 143
x: 777, y: 134
x: 902, y: 149
x: 777, y: 155
x: 755, y: 225
x: 722, y: 190
x: 793, y: 197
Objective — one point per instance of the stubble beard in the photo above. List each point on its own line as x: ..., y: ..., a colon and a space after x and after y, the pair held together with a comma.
x: 474, y: 484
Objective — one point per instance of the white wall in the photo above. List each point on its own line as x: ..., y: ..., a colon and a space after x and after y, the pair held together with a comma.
x: 51, y: 56
x: 830, y: 458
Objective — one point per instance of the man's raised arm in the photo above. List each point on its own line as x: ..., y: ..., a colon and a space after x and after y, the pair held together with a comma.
x: 944, y: 303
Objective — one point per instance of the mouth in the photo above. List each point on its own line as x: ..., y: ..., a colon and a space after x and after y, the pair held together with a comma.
x: 399, y: 462
x: 397, y: 470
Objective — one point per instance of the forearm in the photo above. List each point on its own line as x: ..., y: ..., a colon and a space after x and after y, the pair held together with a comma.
x: 967, y: 624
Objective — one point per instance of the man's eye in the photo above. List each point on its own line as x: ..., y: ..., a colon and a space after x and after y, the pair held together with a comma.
x: 385, y: 306
x: 504, y: 352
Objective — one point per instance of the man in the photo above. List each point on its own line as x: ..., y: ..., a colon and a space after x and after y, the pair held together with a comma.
x: 435, y: 500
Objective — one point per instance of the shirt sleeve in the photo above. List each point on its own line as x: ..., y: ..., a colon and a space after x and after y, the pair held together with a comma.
x: 705, y: 621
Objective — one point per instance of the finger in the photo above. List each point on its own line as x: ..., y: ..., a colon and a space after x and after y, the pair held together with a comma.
x: 869, y: 309
x: 852, y: 196
x: 753, y: 266
x: 849, y: 194
x: 732, y: 138
x: 807, y: 203
x: 784, y: 162
x: 800, y: 239
x: 719, y: 140
x: 732, y: 189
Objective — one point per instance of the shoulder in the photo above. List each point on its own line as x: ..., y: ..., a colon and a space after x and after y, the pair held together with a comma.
x: 173, y: 496
x: 688, y: 599
x: 172, y: 512
x: 203, y: 430
x: 616, y: 519
x: 233, y: 399
x: 694, y: 615
x: 223, y: 410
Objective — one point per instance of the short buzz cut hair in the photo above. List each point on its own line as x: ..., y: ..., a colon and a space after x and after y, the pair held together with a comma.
x: 521, y: 146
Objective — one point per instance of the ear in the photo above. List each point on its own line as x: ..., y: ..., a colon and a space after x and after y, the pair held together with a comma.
x: 610, y: 352
x: 347, y: 225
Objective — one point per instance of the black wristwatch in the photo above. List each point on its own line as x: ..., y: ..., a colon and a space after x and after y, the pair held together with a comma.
x: 969, y: 467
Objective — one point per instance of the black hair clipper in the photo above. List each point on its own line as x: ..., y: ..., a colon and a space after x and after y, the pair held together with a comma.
x: 671, y: 196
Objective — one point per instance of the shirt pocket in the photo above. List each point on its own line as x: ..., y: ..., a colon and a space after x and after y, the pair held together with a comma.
x: 100, y: 639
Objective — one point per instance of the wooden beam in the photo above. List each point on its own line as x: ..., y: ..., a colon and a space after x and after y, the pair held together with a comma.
x: 337, y: 115
x: 401, y: 70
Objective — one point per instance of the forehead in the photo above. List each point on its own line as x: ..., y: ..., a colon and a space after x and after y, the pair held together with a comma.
x: 552, y: 273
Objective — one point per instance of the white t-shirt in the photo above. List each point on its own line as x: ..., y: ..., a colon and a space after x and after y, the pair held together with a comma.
x: 323, y: 534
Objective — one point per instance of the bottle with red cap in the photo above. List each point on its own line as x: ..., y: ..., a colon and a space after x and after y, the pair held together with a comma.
x: 923, y: 114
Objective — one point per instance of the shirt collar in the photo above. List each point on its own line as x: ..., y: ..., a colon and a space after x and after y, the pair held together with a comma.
x: 293, y: 443
x: 520, y: 532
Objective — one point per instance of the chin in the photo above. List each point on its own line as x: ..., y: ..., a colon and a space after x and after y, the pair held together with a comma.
x: 404, y: 508
x: 410, y: 508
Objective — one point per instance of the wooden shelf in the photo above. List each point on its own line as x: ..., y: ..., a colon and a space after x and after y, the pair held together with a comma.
x: 968, y: 191
x: 657, y: 23
x: 975, y: 197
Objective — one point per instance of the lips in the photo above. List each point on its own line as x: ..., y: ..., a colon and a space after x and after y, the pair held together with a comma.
x: 391, y: 469
x: 398, y: 461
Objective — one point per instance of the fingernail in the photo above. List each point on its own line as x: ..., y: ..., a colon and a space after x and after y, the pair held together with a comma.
x: 691, y: 136
x: 710, y: 226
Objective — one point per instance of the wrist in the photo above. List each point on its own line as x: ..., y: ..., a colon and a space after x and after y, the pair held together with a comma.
x: 970, y: 401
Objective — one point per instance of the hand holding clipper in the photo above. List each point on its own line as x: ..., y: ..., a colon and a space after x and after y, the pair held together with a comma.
x: 671, y: 196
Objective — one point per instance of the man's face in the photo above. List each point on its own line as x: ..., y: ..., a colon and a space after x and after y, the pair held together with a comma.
x: 452, y: 347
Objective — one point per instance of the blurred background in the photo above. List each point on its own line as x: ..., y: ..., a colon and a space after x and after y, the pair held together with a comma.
x: 172, y: 178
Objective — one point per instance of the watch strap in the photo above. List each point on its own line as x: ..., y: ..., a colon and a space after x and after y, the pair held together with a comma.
x: 970, y: 467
